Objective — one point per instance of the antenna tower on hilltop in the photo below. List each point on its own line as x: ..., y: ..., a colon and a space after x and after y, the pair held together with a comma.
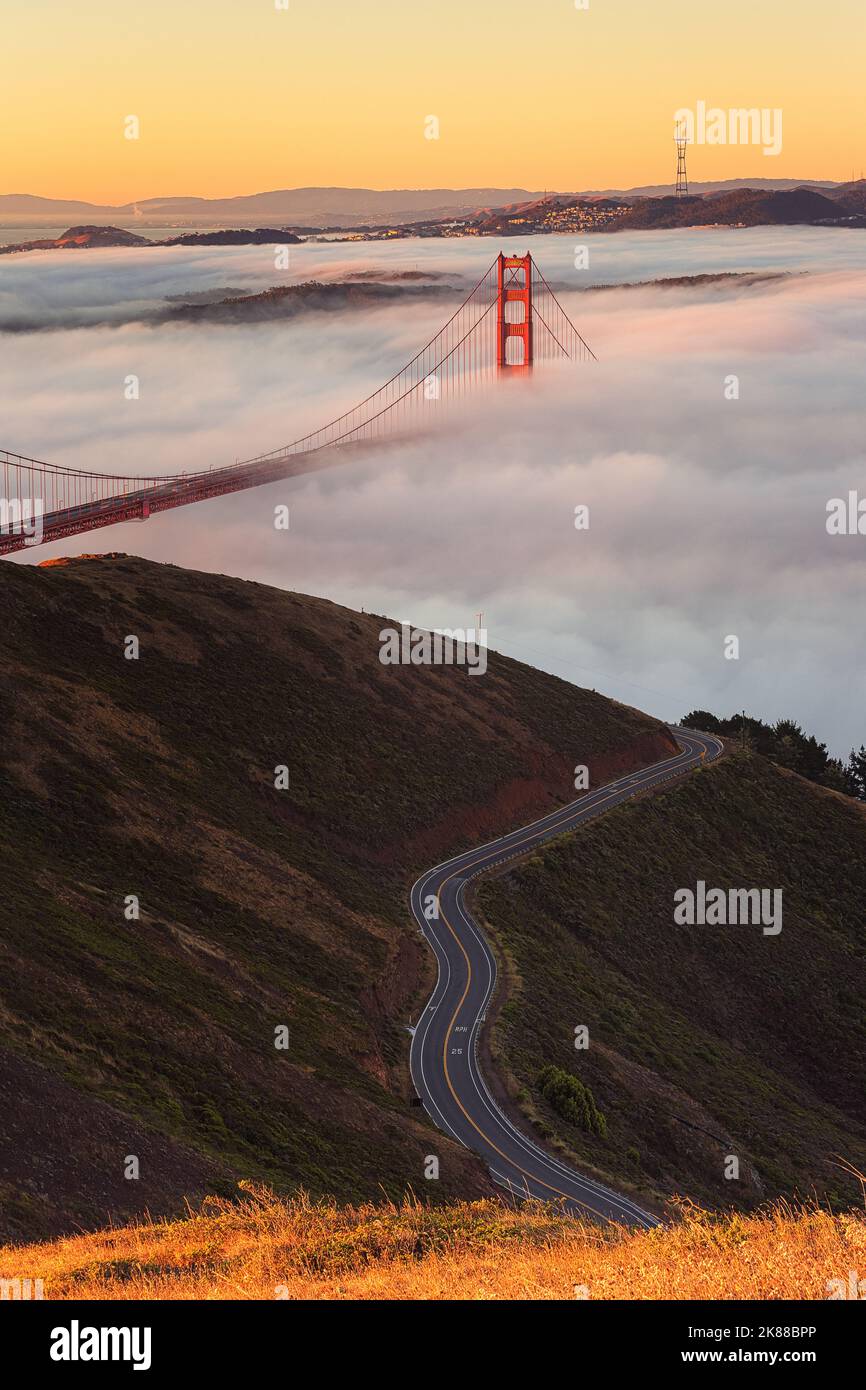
x: 682, y: 177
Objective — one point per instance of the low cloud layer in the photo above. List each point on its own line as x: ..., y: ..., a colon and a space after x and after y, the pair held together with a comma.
x: 707, y: 516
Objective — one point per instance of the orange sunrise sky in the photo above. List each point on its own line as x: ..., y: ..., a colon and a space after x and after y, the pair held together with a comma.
x: 236, y: 96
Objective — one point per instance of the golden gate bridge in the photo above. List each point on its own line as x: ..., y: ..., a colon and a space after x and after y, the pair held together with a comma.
x: 510, y: 320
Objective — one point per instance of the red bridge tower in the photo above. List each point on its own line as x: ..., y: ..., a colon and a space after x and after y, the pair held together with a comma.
x: 514, y: 313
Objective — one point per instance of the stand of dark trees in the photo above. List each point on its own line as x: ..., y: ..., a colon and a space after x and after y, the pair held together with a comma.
x: 786, y: 743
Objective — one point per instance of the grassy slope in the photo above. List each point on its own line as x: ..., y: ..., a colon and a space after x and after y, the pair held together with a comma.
x: 259, y: 907
x: 704, y: 1041
x: 265, y: 1249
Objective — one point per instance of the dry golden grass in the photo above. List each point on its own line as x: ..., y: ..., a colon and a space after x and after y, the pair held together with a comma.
x: 266, y: 1248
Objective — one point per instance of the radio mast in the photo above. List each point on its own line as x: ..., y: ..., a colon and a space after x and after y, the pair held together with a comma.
x: 682, y: 177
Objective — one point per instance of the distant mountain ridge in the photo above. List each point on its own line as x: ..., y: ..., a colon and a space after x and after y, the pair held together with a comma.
x: 338, y: 207
x: 747, y: 207
x: 658, y: 190
x: 335, y: 207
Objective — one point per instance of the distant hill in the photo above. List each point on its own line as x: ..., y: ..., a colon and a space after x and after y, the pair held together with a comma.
x: 750, y: 207
x: 32, y: 208
x: 78, y: 238
x: 312, y: 207
x: 851, y: 196
x: 84, y: 238
x: 286, y: 301
x: 235, y: 236
x: 331, y: 207
x: 658, y: 190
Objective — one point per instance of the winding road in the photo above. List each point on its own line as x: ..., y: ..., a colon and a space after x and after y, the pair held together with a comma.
x: 444, y: 1052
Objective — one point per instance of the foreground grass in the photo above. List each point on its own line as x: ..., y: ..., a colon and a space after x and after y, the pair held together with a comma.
x: 266, y: 1248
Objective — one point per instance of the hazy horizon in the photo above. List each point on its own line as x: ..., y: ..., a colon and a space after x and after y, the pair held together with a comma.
x: 532, y: 192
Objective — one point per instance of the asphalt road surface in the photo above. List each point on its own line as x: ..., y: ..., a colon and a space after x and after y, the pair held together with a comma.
x: 444, y: 1053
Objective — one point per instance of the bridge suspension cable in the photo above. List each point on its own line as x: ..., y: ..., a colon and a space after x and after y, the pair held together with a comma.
x: 511, y: 301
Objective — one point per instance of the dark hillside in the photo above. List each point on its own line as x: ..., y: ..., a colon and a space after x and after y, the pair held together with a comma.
x: 705, y: 1040
x: 258, y: 907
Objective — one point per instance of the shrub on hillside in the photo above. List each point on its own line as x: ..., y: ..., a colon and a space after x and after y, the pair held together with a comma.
x: 572, y: 1100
